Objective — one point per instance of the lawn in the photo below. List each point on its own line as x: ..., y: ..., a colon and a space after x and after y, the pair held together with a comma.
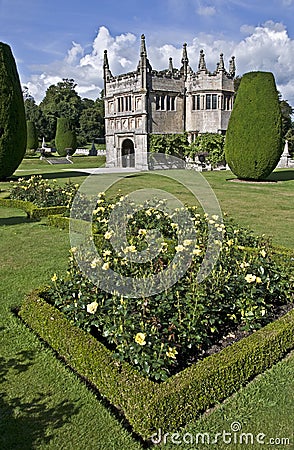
x: 46, y: 406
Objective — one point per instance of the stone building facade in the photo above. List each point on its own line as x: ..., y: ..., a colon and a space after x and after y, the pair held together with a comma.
x: 147, y: 101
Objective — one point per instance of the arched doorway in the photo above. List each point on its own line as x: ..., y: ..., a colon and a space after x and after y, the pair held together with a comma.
x: 128, y: 153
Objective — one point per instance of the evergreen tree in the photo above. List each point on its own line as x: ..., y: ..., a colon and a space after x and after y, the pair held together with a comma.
x: 32, y: 136
x: 65, y: 138
x: 253, y: 143
x: 13, y: 131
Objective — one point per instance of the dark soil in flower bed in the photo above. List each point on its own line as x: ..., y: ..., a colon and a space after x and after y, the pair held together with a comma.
x: 238, y: 334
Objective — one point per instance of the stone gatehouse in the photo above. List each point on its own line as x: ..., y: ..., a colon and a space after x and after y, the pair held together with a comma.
x: 147, y: 101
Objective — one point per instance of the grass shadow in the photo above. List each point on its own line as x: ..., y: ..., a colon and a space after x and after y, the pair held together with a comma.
x: 50, y: 175
x: 25, y: 424
x: 282, y: 175
x: 274, y: 177
x: 14, y: 220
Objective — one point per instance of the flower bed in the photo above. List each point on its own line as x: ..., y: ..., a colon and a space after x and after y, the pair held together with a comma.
x: 42, y: 193
x: 163, y: 333
x: 38, y: 198
x: 149, y: 406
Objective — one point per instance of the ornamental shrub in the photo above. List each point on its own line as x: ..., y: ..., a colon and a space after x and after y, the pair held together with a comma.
x: 65, y: 138
x: 253, y: 144
x: 210, y: 143
x: 32, y: 136
x: 13, y: 132
x: 170, y: 144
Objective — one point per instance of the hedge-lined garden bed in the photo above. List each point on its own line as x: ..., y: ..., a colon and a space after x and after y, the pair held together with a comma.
x: 154, y: 366
x: 147, y: 405
x: 40, y: 198
x: 160, y: 332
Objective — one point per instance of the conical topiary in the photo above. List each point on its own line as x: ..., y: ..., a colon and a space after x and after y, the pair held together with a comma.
x: 253, y: 143
x: 32, y: 136
x: 65, y: 138
x: 13, y: 130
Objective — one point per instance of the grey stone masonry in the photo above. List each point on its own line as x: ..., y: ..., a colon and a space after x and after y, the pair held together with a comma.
x: 147, y: 101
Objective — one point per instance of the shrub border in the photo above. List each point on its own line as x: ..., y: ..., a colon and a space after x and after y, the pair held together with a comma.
x: 33, y: 212
x: 58, y: 221
x: 149, y: 406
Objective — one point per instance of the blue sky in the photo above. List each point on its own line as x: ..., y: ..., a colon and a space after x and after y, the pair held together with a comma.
x: 54, y: 39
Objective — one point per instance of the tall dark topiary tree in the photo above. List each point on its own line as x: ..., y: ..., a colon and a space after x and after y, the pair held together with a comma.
x: 65, y: 137
x: 13, y: 129
x: 32, y: 136
x: 253, y: 144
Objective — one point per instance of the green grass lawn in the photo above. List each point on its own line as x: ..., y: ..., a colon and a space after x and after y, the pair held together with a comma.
x: 46, y: 406
x: 264, y: 208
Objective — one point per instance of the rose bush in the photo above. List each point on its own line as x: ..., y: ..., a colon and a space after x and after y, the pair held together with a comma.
x: 42, y: 193
x: 162, y: 333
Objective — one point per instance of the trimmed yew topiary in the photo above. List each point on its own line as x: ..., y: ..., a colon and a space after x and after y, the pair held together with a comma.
x: 253, y: 144
x: 65, y: 138
x: 13, y: 130
x: 32, y: 136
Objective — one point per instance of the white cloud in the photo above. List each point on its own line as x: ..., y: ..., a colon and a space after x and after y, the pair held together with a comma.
x: 267, y: 47
x: 206, y: 10
x: 74, y: 53
x: 86, y: 69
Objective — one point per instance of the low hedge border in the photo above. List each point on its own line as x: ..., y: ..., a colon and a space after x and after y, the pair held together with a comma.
x: 33, y: 212
x: 119, y: 382
x: 149, y: 406
x: 58, y: 221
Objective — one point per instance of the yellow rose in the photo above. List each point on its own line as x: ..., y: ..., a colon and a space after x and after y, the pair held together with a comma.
x: 92, y: 307
x: 171, y: 353
x: 250, y: 278
x: 105, y: 266
x: 130, y: 249
x: 140, y: 338
x: 94, y: 263
x: 108, y: 234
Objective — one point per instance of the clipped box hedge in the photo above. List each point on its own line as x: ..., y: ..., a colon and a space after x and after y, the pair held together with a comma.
x: 149, y: 406
x: 58, y: 221
x: 33, y: 211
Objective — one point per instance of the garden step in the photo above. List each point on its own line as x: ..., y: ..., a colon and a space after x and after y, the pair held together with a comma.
x: 59, y: 161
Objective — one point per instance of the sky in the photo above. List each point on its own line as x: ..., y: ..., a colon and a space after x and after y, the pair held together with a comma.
x: 56, y: 39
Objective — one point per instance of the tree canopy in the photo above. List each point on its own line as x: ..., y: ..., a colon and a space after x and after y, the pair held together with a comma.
x: 62, y: 100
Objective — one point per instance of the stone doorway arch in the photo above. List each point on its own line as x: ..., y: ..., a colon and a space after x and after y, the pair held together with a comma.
x: 128, y: 153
